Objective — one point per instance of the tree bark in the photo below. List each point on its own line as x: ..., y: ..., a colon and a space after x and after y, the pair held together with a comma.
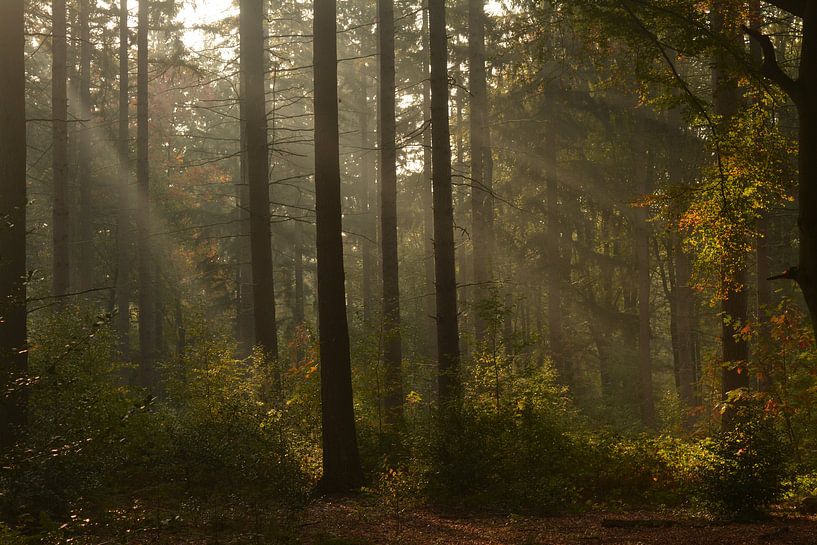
x: 13, y: 332
x: 444, y: 267
x: 146, y: 269
x: 59, y: 107
x: 341, y: 460
x: 245, y: 323
x: 369, y: 217
x: 482, y: 200
x: 643, y: 270
x: 428, y: 199
x: 253, y: 95
x: 85, y: 233
x: 392, y: 349
x: 123, y: 219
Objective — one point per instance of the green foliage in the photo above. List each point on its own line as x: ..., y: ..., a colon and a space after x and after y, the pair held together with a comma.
x: 736, y: 473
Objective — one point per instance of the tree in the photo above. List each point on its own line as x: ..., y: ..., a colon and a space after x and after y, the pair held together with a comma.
x: 735, y: 302
x: 803, y: 92
x: 642, y: 251
x: 85, y: 231
x: 341, y: 460
x: 13, y: 331
x: 482, y: 201
x: 146, y: 271
x: 123, y: 219
x: 392, y: 350
x: 59, y: 109
x: 257, y: 170
x: 448, y: 350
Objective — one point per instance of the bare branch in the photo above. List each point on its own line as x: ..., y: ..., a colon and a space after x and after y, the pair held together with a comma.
x: 770, y: 67
x: 795, y: 7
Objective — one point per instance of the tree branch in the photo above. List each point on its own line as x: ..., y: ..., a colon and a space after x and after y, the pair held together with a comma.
x: 770, y: 67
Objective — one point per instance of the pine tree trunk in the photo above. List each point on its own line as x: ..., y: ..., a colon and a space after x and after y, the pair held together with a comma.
x: 341, y: 460
x: 369, y: 227
x: 85, y: 234
x: 13, y: 332
x: 444, y: 268
x: 555, y: 271
x: 643, y: 268
x: 428, y: 201
x: 146, y: 270
x: 482, y: 200
x: 245, y: 325
x: 59, y: 107
x: 392, y: 349
x: 253, y: 96
x: 123, y: 219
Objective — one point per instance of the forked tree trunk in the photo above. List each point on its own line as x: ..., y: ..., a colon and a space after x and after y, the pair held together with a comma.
x: 341, y: 460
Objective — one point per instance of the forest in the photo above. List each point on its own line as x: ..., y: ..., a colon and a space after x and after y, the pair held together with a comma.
x: 350, y: 272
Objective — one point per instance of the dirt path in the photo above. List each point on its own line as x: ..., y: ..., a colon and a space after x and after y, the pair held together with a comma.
x: 355, y: 523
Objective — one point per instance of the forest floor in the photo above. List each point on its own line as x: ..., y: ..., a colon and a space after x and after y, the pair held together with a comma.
x: 367, y: 521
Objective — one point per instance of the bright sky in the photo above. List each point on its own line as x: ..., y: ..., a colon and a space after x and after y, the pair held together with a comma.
x: 202, y: 12
x: 197, y: 12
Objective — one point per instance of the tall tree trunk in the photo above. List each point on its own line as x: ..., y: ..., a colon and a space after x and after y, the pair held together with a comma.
x: 555, y: 271
x: 428, y: 200
x: 369, y: 227
x: 735, y: 303
x: 123, y: 219
x: 807, y: 112
x: 392, y: 349
x: 685, y: 309
x: 59, y: 107
x: 146, y: 270
x: 643, y: 268
x: 482, y: 200
x: 85, y: 234
x: 253, y: 96
x: 341, y: 460
x: 13, y: 333
x: 446, y: 283
x: 245, y: 325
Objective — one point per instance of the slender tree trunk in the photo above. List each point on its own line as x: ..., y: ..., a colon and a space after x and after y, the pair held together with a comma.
x: 428, y: 199
x: 555, y: 271
x: 244, y: 312
x: 123, y: 219
x: 392, y: 349
x: 643, y: 268
x: 13, y: 332
x: 369, y: 227
x: 341, y: 460
x: 146, y: 270
x: 85, y: 234
x: 446, y: 283
x: 685, y: 305
x: 298, y: 313
x: 253, y: 96
x: 482, y: 200
x: 59, y: 107
x: 735, y: 303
